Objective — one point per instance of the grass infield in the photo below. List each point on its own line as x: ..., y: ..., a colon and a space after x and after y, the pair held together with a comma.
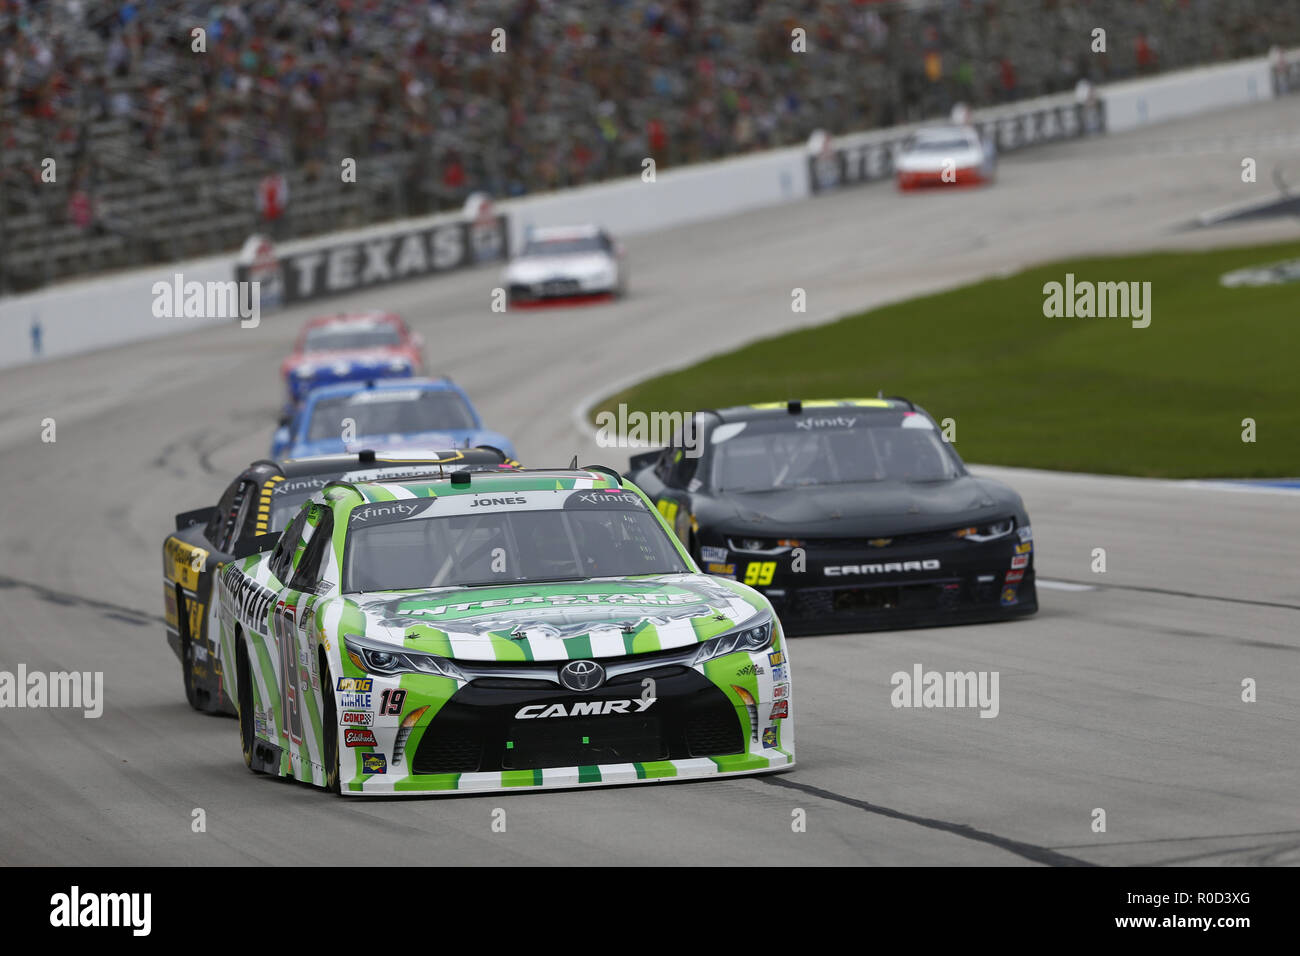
x: 1073, y: 394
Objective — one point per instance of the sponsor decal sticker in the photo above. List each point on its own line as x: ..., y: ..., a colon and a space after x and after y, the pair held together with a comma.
x: 725, y: 569
x: 1014, y: 576
x: 776, y: 658
x: 890, y: 567
x: 709, y: 553
x: 585, y: 708
x: 358, y: 718
x: 780, y: 710
x: 769, y: 737
x: 1009, y: 597
x: 359, y: 737
x: 750, y: 669
x: 355, y: 701
x: 374, y: 763
x: 1026, y: 533
x: 355, y: 683
x: 1024, y: 548
x: 1019, y: 561
x: 779, y: 673
x: 780, y: 691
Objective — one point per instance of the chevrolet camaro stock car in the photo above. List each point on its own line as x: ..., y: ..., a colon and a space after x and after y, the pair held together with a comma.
x: 481, y: 632
x: 848, y: 515
x: 248, y: 518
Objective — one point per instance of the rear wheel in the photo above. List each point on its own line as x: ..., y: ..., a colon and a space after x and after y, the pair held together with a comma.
x: 243, y: 674
x: 187, y: 650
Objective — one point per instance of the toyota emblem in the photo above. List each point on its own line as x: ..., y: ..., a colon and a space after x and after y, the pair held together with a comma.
x: 582, y: 675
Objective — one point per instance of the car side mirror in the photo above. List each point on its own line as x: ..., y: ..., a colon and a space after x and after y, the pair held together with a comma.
x: 259, y: 544
x: 188, y: 519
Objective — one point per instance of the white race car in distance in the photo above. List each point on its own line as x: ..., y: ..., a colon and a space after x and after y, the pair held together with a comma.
x: 569, y: 262
x: 945, y: 156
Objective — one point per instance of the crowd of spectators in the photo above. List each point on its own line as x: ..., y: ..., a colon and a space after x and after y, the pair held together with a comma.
x: 517, y: 96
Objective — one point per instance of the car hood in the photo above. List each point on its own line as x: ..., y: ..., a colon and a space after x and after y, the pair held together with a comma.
x: 600, y: 618
x: 541, y: 268
x: 878, y: 508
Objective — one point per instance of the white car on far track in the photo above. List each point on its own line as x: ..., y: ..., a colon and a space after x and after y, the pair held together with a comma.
x: 566, y: 263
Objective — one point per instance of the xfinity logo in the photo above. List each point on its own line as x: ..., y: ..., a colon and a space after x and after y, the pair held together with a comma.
x: 592, y: 708
x: 929, y: 564
x: 839, y: 421
x: 383, y: 511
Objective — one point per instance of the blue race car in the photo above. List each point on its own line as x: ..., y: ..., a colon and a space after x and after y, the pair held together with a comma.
x: 384, y: 414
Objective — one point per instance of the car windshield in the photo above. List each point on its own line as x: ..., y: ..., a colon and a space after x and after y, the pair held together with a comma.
x: 764, y: 460
x: 395, y: 412
x: 940, y: 145
x: 332, y: 338
x: 565, y: 247
x: 495, y: 548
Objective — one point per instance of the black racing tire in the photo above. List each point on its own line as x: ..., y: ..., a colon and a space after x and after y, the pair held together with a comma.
x: 329, y: 729
x: 244, y: 706
x: 187, y: 650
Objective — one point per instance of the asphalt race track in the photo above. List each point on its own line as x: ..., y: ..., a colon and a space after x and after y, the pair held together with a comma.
x: 1124, y: 697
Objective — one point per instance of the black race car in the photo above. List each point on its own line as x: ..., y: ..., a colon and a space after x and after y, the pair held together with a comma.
x: 848, y: 515
x: 247, y: 520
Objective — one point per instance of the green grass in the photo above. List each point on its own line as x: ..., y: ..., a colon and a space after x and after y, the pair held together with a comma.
x: 1072, y: 394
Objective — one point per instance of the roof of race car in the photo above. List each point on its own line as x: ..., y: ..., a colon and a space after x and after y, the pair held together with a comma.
x: 549, y: 233
x: 353, y: 318
x: 343, y: 389
x: 738, y: 413
x: 326, y: 464
x: 519, y: 479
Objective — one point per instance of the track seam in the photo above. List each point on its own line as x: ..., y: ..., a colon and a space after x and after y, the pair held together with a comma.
x: 1035, y: 854
x: 1185, y: 594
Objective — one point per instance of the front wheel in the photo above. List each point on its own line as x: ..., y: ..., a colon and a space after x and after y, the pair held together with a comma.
x: 329, y: 730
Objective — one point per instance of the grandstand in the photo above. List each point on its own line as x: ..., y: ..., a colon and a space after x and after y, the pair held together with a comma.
x: 160, y: 150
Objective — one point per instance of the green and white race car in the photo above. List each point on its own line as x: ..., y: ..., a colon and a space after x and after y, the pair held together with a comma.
x: 483, y: 632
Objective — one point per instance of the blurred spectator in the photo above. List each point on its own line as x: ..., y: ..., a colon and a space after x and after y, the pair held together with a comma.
x: 585, y: 90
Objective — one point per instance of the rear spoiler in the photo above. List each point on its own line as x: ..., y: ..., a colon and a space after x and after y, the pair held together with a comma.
x: 188, y: 519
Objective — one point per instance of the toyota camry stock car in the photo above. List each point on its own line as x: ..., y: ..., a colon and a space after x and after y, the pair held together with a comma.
x: 247, y: 519
x: 539, y: 628
x: 847, y: 515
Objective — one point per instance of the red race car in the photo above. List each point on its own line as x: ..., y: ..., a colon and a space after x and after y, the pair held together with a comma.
x: 348, y: 348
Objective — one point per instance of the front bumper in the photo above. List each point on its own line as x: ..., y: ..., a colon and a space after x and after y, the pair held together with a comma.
x: 508, y: 732
x: 558, y: 290
x: 962, y: 176
x: 848, y: 586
